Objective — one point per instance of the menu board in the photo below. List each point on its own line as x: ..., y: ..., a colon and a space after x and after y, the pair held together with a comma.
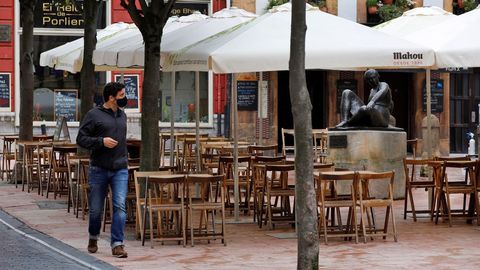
x: 4, y: 90
x: 131, y: 89
x: 59, y: 127
x: 436, y: 97
x: 247, y: 95
x: 65, y: 104
x: 343, y: 85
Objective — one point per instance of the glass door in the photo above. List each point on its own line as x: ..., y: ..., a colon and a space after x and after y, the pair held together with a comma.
x: 464, y: 110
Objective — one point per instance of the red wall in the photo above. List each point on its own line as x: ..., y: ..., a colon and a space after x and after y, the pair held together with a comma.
x: 219, y: 81
x: 119, y: 14
x: 7, y: 53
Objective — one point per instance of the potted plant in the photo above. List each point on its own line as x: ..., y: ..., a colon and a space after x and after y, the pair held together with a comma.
x: 372, y: 6
x: 469, y: 5
x: 273, y: 3
x: 389, y: 12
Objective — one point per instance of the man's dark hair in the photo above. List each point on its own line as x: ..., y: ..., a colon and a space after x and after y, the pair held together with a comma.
x: 111, y: 89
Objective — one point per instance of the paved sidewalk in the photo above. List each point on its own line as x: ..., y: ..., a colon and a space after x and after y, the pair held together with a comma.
x: 421, y: 245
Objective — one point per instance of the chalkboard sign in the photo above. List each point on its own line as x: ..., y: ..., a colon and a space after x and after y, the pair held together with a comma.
x: 437, y: 96
x: 59, y: 127
x: 131, y: 89
x: 65, y: 104
x: 247, y: 95
x: 343, y: 85
x: 4, y: 90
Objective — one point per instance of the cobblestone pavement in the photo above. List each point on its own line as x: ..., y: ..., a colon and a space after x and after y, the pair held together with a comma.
x: 19, y: 252
x: 421, y: 244
x: 24, y: 248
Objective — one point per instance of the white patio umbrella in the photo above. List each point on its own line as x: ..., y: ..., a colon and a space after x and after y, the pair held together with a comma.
x: 264, y: 45
x: 108, y: 54
x: 331, y: 43
x: 69, y: 56
x: 455, y: 42
x: 414, y: 20
x: 132, y: 53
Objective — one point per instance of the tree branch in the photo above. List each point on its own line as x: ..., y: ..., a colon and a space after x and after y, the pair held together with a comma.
x: 144, y: 5
x: 135, y: 13
x: 167, y: 10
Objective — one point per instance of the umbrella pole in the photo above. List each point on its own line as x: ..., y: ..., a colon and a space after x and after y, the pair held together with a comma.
x: 197, y: 118
x: 260, y: 108
x: 236, y: 208
x: 429, y: 113
x: 172, y: 119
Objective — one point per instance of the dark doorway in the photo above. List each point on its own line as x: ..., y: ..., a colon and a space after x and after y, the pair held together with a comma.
x: 315, y: 85
x: 464, y: 100
x: 401, y: 85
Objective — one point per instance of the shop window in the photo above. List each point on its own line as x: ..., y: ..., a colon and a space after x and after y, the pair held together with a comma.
x: 184, y: 97
x: 57, y: 92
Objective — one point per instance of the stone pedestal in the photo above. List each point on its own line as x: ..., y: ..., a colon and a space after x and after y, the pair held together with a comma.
x: 374, y: 150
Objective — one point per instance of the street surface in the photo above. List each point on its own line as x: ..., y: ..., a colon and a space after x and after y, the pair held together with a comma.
x: 19, y: 251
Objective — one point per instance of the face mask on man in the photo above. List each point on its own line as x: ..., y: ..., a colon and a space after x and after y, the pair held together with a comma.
x: 122, y: 102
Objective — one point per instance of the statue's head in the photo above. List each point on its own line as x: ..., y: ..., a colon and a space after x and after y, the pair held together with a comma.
x: 372, y: 77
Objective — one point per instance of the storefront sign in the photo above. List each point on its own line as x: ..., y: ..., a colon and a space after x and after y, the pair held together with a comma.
x: 5, y: 33
x: 5, y: 90
x: 184, y: 9
x: 131, y: 89
x: 65, y: 104
x: 437, y: 96
x: 343, y: 85
x: 247, y: 95
x: 57, y: 14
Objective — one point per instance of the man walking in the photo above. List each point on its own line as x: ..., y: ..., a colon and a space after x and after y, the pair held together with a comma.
x: 103, y: 131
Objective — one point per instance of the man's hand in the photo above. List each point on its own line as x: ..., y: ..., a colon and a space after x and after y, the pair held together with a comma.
x: 109, y: 142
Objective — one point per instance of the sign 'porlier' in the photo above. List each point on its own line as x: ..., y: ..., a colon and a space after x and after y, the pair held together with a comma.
x: 407, y: 58
x: 59, y: 15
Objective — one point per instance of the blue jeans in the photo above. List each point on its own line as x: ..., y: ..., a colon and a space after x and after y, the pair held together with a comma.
x: 99, y: 179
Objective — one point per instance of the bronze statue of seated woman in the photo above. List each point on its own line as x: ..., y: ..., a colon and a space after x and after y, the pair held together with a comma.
x: 354, y: 113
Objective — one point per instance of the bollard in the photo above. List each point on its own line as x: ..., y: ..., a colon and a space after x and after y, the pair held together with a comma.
x: 434, y: 139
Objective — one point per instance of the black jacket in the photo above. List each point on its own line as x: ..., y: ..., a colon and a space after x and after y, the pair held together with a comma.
x: 98, y: 123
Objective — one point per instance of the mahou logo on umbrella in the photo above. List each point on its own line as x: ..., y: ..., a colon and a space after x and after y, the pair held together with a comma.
x: 407, y: 58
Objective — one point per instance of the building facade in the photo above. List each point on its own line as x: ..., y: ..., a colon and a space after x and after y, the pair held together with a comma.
x: 57, y: 93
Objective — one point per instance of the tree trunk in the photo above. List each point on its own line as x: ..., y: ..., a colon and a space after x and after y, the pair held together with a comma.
x: 26, y: 70
x: 150, y: 20
x: 149, y: 156
x: 305, y: 201
x: 88, y: 84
